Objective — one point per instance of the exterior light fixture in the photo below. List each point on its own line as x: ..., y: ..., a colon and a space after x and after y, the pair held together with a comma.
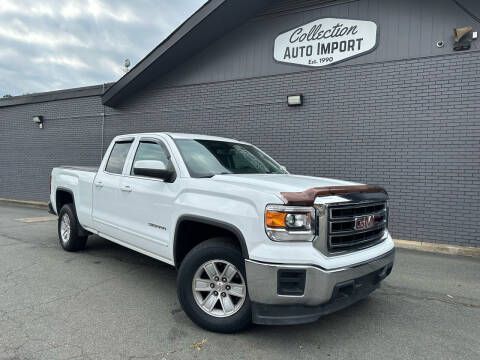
x: 295, y: 100
x: 38, y: 120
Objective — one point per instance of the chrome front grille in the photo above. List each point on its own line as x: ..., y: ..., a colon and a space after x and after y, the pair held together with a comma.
x: 342, y: 234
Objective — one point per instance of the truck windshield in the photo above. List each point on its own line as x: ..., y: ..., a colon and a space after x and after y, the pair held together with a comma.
x: 206, y: 158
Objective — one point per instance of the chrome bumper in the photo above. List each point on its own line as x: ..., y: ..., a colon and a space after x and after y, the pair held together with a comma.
x: 319, y: 283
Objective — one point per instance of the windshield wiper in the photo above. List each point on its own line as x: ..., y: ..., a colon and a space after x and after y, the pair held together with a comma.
x: 206, y: 176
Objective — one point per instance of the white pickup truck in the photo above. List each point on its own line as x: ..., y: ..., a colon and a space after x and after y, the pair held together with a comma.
x: 251, y: 242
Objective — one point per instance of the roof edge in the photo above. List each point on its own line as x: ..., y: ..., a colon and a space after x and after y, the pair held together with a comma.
x: 73, y: 93
x: 110, y: 96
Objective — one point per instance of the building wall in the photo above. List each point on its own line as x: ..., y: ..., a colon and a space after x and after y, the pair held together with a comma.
x: 72, y: 135
x: 407, y: 29
x: 410, y: 124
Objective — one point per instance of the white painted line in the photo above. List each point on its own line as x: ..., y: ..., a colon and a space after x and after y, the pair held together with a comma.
x: 23, y: 202
x: 37, y: 219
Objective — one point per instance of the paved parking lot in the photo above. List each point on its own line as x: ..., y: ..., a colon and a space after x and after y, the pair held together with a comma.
x: 111, y: 303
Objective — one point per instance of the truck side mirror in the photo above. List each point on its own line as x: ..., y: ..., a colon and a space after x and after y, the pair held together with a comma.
x: 154, y: 169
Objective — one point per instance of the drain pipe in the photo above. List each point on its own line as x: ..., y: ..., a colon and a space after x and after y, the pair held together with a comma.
x: 103, y: 125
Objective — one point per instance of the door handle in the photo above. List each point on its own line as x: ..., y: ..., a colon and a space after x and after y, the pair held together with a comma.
x: 99, y: 184
x: 126, y: 188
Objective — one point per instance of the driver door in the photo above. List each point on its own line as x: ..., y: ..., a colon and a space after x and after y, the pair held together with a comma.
x: 147, y: 202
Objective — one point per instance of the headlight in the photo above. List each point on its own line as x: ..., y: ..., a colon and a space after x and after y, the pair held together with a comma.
x: 290, y: 223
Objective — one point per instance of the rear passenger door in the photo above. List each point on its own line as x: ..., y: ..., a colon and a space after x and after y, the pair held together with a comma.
x: 106, y: 213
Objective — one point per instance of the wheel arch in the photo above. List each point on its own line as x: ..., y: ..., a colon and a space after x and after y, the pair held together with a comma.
x: 67, y: 197
x: 62, y: 195
x: 180, y: 249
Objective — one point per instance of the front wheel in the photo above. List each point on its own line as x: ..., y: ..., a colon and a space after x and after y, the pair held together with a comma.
x: 212, y: 288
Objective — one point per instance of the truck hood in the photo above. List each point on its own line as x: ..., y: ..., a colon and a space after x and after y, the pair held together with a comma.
x: 277, y: 183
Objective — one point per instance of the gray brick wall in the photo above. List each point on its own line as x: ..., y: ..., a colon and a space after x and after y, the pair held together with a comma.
x: 71, y: 135
x: 411, y: 125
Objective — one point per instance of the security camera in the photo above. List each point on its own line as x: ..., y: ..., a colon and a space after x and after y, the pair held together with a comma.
x: 38, y: 120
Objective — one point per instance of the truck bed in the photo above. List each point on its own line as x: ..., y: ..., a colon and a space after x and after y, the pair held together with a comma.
x: 78, y: 181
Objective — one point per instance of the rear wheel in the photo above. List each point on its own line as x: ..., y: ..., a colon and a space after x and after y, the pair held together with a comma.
x: 68, y: 227
x: 212, y: 288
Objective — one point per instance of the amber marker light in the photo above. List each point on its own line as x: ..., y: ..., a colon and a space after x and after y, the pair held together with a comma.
x: 275, y: 219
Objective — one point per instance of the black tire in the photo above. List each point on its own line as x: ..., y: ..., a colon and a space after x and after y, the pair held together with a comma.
x: 213, y: 249
x: 72, y: 242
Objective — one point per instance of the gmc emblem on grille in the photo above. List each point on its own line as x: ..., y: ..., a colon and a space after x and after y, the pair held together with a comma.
x: 365, y: 222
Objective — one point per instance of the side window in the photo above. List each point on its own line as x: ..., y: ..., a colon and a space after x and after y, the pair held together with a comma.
x: 118, y: 156
x: 149, y: 150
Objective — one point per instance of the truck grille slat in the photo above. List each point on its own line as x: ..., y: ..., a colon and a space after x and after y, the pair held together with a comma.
x: 342, y: 234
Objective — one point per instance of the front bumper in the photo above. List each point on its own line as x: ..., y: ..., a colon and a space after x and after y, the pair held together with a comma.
x: 325, y: 291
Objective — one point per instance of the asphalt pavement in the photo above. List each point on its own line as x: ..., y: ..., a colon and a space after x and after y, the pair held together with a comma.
x: 108, y: 302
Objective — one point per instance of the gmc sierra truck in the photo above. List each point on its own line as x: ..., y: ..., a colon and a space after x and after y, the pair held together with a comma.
x: 251, y: 242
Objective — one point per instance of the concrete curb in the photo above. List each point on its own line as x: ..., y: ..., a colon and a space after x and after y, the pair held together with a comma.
x: 438, y: 248
x: 24, y: 202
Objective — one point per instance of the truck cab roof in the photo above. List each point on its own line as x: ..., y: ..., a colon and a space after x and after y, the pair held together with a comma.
x: 182, y: 136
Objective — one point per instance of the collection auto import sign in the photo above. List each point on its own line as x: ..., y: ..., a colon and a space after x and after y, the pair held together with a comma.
x: 325, y: 41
